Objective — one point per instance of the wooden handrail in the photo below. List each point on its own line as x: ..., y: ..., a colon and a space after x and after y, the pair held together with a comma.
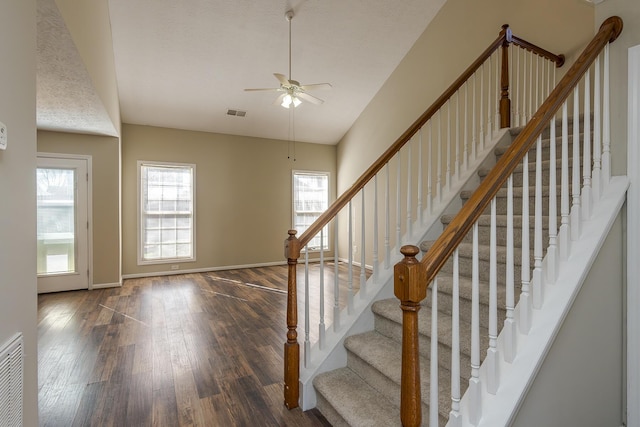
x: 558, y: 59
x: 342, y: 201
x: 502, y: 40
x: 470, y: 212
x: 453, y: 234
x: 294, y: 245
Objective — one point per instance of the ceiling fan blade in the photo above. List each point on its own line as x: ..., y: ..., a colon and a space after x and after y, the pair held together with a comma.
x: 316, y: 86
x: 265, y: 89
x: 310, y: 98
x: 281, y: 78
x: 279, y: 99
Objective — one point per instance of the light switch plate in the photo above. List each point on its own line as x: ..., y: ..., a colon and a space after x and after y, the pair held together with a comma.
x: 3, y: 136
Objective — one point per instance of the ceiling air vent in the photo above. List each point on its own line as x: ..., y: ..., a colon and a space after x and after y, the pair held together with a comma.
x: 238, y: 113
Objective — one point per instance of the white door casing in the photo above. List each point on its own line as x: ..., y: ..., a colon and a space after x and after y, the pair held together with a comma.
x: 63, y: 248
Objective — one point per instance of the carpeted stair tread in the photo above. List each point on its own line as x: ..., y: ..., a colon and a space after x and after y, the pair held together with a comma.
x: 517, y: 192
x: 465, y: 250
x: 501, y: 220
x: 385, y: 309
x: 355, y: 401
x: 384, y: 355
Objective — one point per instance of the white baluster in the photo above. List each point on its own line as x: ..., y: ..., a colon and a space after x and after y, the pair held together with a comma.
x: 409, y: 190
x: 455, y: 417
x: 525, y: 298
x: 512, y: 80
x: 538, y: 282
x: 481, y: 116
x: 465, y: 152
x: 448, y: 170
x: 473, y: 120
x: 491, y: 360
x: 439, y: 168
x: 489, y: 92
x: 350, y: 266
x: 475, y: 386
x: 375, y: 255
x: 429, y: 170
x: 575, y: 171
x: 363, y: 246
x: 563, y: 235
x: 509, y: 329
x: 321, y: 327
x: 549, y: 65
x: 496, y: 123
x: 517, y: 97
x: 433, y: 382
x: 537, y: 103
x: 606, y: 123
x: 457, y: 129
x: 586, y: 150
x: 530, y: 87
x: 307, y: 342
x: 336, y: 276
x: 523, y: 112
x: 596, y: 181
x: 552, y: 250
x: 420, y: 179
x: 387, y: 225
x: 398, y: 201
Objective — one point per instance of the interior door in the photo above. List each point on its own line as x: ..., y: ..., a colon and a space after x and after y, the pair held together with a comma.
x: 62, y: 230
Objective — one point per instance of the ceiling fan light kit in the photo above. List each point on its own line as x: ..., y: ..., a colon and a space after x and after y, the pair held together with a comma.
x: 293, y: 93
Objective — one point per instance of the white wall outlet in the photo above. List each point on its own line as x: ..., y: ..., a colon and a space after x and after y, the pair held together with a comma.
x: 3, y: 136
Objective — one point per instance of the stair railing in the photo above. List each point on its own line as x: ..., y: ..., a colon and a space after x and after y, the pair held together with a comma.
x: 584, y: 164
x: 422, y: 167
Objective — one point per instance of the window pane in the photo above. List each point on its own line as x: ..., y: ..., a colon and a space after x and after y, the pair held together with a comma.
x: 310, y: 200
x: 167, y: 211
x: 55, y: 220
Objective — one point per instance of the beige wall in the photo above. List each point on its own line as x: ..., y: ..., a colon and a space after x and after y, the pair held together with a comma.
x: 453, y: 40
x: 580, y: 382
x: 629, y: 11
x: 243, y: 192
x: 104, y: 152
x: 90, y: 27
x: 458, y: 34
x: 17, y: 189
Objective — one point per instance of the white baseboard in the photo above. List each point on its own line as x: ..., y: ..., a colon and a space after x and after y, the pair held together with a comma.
x: 106, y: 285
x: 200, y: 270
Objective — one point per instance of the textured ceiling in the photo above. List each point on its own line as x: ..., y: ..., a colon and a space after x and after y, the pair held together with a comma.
x: 183, y: 64
x: 66, y: 98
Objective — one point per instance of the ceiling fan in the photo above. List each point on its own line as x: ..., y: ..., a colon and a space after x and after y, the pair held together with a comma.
x: 292, y: 92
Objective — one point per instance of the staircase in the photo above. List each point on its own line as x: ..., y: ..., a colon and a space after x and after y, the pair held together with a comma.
x: 401, y: 371
x: 367, y: 391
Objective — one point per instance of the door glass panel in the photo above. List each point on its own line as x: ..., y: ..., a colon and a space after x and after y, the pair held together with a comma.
x: 56, y: 220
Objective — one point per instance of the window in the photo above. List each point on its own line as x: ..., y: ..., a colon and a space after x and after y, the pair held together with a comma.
x: 167, y: 226
x: 310, y: 200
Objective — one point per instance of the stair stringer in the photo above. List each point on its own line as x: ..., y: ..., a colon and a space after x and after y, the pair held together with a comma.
x: 334, y: 354
x: 517, y: 377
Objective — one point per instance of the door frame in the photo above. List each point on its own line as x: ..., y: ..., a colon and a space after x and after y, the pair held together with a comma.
x: 88, y: 159
x: 633, y: 239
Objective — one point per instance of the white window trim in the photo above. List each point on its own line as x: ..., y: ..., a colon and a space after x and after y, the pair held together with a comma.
x: 293, y: 198
x: 142, y: 261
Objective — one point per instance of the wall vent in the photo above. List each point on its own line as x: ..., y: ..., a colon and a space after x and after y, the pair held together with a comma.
x: 11, y: 382
x: 238, y: 113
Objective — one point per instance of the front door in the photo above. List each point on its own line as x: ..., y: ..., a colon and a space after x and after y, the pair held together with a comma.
x: 62, y: 230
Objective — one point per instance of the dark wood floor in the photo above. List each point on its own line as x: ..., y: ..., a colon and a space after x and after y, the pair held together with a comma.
x: 195, y: 349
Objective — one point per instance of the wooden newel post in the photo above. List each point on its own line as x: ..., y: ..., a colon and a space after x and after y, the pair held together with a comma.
x: 410, y: 287
x: 291, y: 347
x: 505, y: 102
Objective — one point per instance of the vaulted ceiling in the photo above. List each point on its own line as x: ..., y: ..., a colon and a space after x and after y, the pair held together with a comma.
x: 185, y: 64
